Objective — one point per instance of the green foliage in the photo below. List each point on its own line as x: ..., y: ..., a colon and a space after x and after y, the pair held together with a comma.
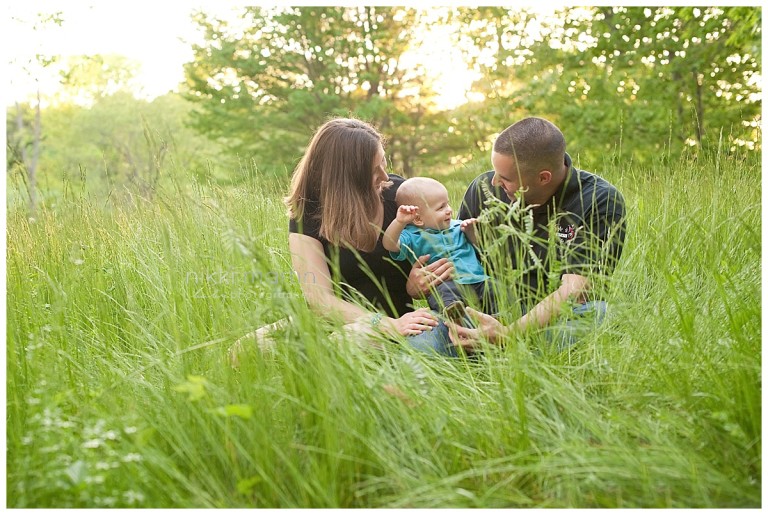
x: 118, y: 144
x: 635, y: 81
x: 119, y: 391
x: 263, y: 85
x: 89, y: 78
x: 702, y: 62
x: 627, y: 84
x: 17, y: 139
x: 121, y: 306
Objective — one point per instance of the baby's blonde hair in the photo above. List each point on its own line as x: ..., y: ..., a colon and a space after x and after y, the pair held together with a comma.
x: 411, y: 191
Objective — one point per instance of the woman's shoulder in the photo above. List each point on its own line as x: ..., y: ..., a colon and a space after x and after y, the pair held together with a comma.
x: 309, y: 223
x: 389, y: 193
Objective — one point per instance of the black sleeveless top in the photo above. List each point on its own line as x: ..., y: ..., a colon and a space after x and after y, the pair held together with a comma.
x: 363, y: 277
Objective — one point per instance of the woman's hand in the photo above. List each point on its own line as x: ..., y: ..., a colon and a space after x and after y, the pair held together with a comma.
x: 413, y: 323
x: 486, y: 327
x: 423, y: 278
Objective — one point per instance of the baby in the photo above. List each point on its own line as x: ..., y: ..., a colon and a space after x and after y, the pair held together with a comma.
x: 424, y: 226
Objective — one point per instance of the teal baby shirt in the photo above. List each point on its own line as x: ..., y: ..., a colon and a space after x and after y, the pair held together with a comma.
x: 451, y: 243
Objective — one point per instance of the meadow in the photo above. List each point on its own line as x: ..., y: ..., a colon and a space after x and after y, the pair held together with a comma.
x: 120, y: 392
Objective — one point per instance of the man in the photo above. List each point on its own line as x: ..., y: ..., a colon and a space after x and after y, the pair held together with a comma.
x: 575, y: 239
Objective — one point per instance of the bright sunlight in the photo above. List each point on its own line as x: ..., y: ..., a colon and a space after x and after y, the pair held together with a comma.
x: 164, y: 46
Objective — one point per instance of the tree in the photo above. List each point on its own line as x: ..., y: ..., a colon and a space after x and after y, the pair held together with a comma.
x: 121, y: 142
x: 635, y: 82
x: 702, y: 61
x: 87, y: 79
x: 23, y: 141
x: 264, y: 85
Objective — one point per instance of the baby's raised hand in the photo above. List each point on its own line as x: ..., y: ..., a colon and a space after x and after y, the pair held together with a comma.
x: 407, y: 214
x: 468, y: 224
x: 468, y: 228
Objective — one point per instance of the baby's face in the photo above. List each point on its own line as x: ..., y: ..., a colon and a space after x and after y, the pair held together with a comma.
x: 434, y: 209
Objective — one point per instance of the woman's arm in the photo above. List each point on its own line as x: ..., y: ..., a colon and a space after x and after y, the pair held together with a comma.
x: 309, y: 263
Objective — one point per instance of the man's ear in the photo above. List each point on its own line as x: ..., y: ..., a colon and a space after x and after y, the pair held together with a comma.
x: 544, y: 177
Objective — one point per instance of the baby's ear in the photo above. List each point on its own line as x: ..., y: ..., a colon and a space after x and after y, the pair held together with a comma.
x: 418, y: 221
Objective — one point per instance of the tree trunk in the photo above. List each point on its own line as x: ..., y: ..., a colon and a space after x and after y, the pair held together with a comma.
x: 699, y: 108
x: 32, y: 169
x: 407, y: 167
x: 28, y: 162
x: 677, y: 79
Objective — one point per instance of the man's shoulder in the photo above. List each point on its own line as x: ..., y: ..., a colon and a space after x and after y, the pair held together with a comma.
x: 589, y: 194
x: 477, y: 193
x: 481, y: 187
x: 485, y: 177
x: 592, y: 185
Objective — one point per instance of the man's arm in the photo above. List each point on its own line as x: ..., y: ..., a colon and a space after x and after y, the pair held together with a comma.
x: 573, y: 287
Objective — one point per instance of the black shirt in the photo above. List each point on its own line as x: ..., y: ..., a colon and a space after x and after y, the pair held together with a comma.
x: 579, y: 230
x: 364, y: 277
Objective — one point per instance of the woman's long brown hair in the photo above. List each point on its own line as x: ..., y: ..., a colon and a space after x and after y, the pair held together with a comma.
x: 336, y: 174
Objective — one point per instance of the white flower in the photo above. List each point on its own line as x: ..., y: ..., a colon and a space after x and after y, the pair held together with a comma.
x: 131, y: 457
x: 106, y: 501
x: 132, y: 497
x: 110, y: 435
x: 130, y: 430
x: 92, y: 444
x: 90, y: 480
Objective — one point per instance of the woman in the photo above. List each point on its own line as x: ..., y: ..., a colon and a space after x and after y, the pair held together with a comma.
x: 340, y: 201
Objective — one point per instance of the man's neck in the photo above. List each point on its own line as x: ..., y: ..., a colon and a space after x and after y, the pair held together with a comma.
x: 555, y: 184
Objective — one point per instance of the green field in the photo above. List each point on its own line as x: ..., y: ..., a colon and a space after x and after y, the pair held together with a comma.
x: 120, y: 394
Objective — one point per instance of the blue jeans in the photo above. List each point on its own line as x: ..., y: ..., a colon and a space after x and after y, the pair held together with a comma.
x: 448, y: 292
x: 562, y: 335
x: 434, y: 341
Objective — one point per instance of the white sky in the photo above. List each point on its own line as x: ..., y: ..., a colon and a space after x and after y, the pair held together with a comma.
x: 150, y: 33
x: 157, y: 35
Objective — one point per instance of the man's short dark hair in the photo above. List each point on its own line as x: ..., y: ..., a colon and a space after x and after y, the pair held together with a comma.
x: 536, y: 144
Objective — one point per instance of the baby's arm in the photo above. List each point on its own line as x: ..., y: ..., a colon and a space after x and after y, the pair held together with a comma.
x: 405, y: 215
x: 468, y: 227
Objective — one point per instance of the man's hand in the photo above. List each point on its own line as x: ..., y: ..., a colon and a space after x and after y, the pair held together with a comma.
x: 486, y: 327
x: 407, y: 214
x: 423, y: 278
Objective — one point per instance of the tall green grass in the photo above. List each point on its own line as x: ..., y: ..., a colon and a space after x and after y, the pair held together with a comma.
x: 120, y: 393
